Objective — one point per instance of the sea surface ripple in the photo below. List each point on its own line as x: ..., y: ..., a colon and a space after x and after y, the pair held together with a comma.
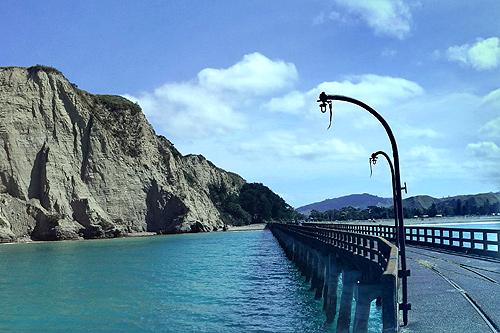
x: 215, y: 282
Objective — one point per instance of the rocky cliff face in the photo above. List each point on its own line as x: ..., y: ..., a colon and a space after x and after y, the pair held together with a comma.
x: 74, y: 165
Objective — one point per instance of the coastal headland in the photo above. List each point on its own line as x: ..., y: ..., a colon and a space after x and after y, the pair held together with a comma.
x: 75, y: 165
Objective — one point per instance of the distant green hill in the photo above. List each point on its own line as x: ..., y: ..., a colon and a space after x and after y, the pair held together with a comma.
x: 474, y: 200
x: 360, y: 201
x: 419, y: 202
x: 482, y: 203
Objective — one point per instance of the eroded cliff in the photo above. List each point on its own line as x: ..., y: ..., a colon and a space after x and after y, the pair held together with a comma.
x: 74, y: 165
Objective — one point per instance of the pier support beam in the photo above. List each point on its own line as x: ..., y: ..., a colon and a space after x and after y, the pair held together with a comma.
x: 299, y: 260
x: 303, y: 259
x: 320, y: 283
x: 331, y: 285
x: 309, y: 264
x: 349, y: 281
x: 296, y: 253
x: 364, y: 295
x: 288, y: 247
x: 315, y: 268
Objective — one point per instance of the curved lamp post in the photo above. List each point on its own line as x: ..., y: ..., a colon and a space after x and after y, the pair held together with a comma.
x: 326, y: 100
x: 373, y: 159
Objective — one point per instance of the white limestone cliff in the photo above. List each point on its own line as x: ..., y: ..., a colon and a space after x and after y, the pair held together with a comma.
x: 74, y: 165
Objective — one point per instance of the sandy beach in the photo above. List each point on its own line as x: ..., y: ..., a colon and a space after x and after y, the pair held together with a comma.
x: 257, y: 226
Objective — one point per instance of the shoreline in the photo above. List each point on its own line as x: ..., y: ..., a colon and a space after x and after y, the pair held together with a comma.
x: 129, y: 235
x: 256, y: 226
x: 250, y: 227
x: 261, y: 226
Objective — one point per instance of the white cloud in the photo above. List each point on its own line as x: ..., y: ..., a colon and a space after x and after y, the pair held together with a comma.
x: 456, y: 53
x: 374, y: 89
x: 320, y: 19
x: 492, y: 99
x: 255, y: 74
x: 491, y: 130
x: 293, y: 102
x: 388, y: 52
x: 377, y: 91
x: 211, y: 104
x: 424, y: 153
x: 385, y: 17
x: 185, y: 109
x: 286, y: 144
x: 420, y: 133
x: 485, y: 160
x: 336, y: 16
x: 487, y: 150
x: 427, y: 162
x: 483, y: 55
x: 254, y: 114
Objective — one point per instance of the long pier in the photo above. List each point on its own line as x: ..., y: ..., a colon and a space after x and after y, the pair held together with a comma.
x: 368, y: 265
x: 367, y: 262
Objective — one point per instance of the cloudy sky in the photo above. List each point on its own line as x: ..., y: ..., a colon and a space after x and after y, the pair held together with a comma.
x: 237, y: 81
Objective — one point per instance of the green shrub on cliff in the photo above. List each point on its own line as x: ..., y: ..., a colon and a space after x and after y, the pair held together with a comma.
x: 229, y: 206
x: 255, y: 203
x: 118, y: 103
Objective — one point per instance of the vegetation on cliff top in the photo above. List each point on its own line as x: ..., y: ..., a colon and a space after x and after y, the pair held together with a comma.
x: 46, y: 69
x: 255, y: 203
x: 118, y: 103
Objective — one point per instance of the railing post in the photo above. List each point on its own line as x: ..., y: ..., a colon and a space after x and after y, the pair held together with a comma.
x: 498, y: 244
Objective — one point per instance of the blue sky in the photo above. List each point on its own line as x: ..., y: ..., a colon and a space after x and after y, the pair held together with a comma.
x: 238, y: 81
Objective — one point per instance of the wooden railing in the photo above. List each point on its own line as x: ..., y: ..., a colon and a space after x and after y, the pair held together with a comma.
x: 484, y: 242
x: 373, y: 250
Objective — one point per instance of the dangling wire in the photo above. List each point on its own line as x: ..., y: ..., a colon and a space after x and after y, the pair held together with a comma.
x: 371, y: 160
x: 323, y: 110
x: 330, y: 105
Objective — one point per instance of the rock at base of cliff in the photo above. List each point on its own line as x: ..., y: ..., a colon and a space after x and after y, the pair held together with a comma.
x: 199, y: 227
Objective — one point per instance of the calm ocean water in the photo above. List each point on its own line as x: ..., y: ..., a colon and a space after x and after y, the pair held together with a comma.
x: 215, y: 282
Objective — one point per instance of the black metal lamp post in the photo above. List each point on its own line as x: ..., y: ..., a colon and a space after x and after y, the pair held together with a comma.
x: 373, y: 159
x: 326, y: 100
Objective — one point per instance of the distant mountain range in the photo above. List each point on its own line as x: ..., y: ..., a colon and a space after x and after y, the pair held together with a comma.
x: 360, y: 201
x: 423, y: 202
x: 471, y: 200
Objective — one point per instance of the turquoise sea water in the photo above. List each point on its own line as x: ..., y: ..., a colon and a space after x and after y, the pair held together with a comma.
x: 216, y: 282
